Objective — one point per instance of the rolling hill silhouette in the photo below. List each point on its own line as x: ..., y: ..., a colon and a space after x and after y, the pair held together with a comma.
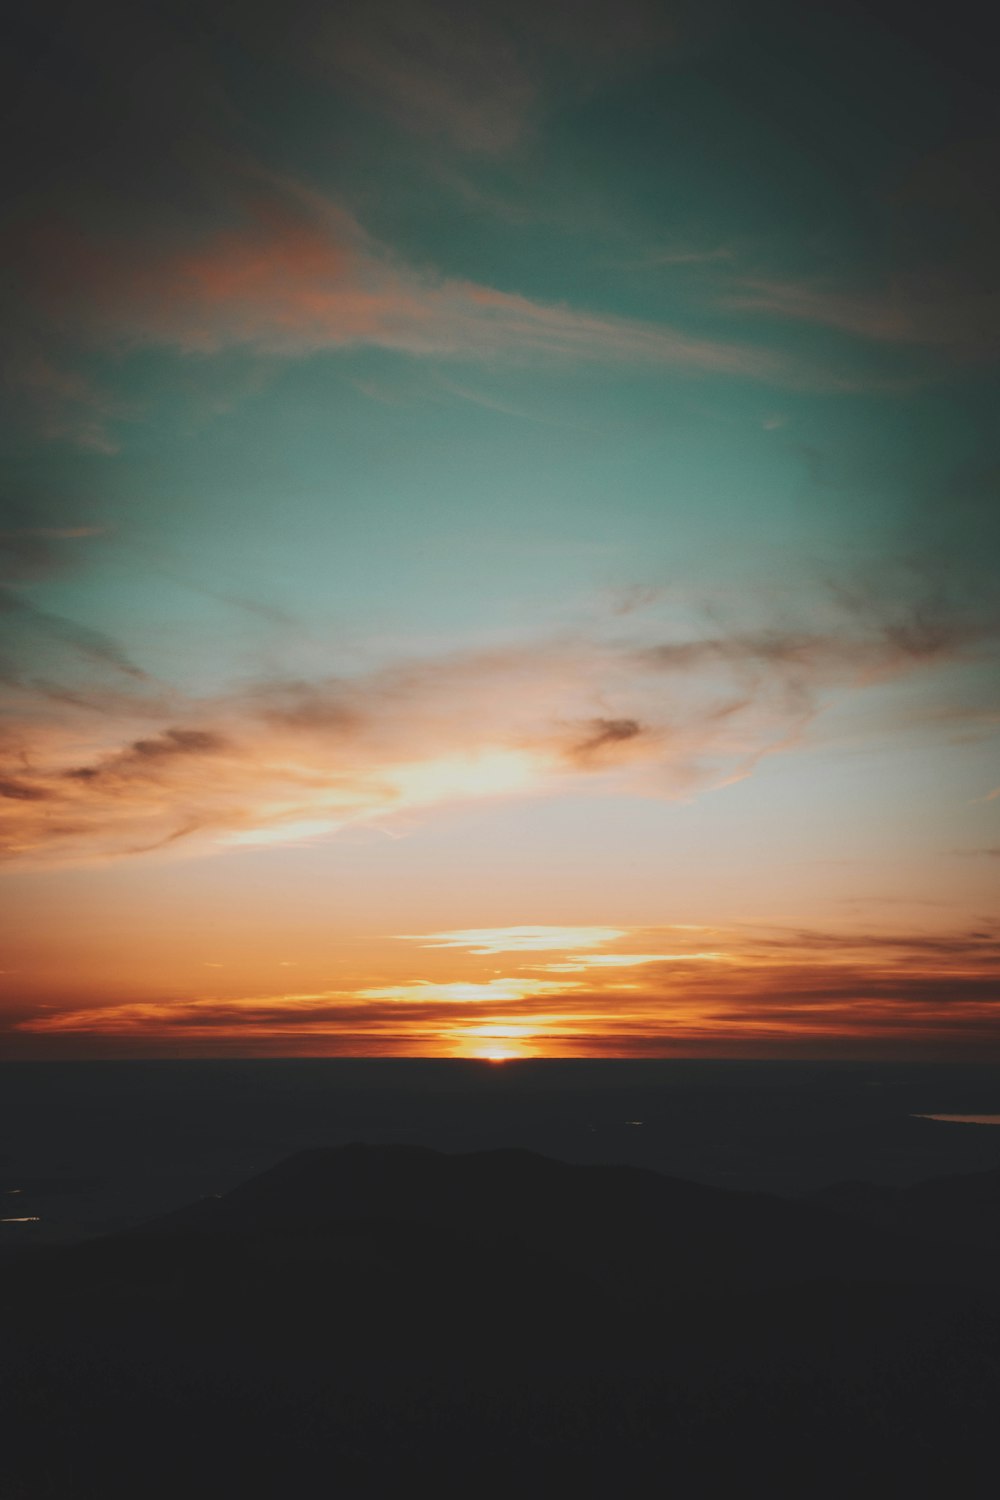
x: 379, y: 1310
x: 961, y: 1210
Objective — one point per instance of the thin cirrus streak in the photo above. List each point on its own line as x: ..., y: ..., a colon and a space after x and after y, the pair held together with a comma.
x: 580, y: 963
x: 757, y: 992
x: 953, y: 317
x: 66, y: 405
x: 294, y: 273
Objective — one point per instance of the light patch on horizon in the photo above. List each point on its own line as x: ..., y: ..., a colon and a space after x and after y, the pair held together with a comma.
x: 499, y: 1043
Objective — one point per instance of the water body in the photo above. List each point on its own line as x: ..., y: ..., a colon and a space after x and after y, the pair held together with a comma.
x: 964, y: 1119
x: 89, y: 1147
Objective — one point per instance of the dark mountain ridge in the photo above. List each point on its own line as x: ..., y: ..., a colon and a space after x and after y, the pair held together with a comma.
x: 961, y: 1210
x: 622, y: 1224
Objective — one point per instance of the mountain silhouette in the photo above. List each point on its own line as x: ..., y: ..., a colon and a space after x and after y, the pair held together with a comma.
x: 962, y: 1210
x: 381, y: 1311
x: 631, y: 1231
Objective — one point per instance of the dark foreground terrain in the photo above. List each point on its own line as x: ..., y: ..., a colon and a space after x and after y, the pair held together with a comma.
x: 376, y: 1320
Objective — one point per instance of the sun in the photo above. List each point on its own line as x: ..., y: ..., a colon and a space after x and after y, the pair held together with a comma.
x: 497, y: 1041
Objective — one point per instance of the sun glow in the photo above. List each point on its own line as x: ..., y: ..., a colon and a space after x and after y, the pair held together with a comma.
x: 499, y: 1041
x: 334, y: 805
x: 753, y: 991
x: 286, y: 833
x: 493, y: 773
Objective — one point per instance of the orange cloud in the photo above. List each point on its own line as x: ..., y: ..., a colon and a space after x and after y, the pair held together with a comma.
x: 287, y: 761
x: 760, y: 993
x: 293, y: 273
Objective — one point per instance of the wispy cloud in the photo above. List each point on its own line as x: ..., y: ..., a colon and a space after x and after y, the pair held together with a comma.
x: 442, y: 69
x: 581, y: 962
x: 679, y: 256
x: 62, y: 404
x: 935, y: 290
x: 38, y: 538
x: 537, y: 939
x: 461, y: 992
x: 293, y: 273
x: 882, y: 318
x: 477, y: 78
x: 92, y: 645
x: 941, y: 317
x: 638, y: 708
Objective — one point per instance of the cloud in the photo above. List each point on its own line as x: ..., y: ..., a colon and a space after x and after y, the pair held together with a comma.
x: 458, y: 992
x: 93, y: 645
x: 884, y: 319
x: 292, y: 273
x: 146, y: 757
x: 536, y: 939
x: 945, y: 318
x: 895, y: 952
x: 763, y: 993
x: 33, y: 540
x: 580, y: 963
x: 685, y: 256
x: 61, y: 404
x: 630, y: 708
x: 441, y: 69
x: 942, y: 245
x: 21, y: 791
x: 479, y: 78
x: 604, y: 735
x: 161, y: 229
x: 44, y: 537
x: 575, y: 942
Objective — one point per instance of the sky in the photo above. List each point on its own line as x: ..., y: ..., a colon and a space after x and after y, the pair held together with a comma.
x: 499, y: 532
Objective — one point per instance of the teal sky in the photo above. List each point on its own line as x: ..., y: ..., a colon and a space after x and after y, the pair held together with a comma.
x: 523, y: 465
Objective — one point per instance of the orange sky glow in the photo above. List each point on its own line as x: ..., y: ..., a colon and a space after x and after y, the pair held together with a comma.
x: 537, y: 992
x: 498, y: 554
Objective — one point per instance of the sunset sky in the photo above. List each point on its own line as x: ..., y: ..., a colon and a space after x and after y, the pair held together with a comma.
x: 500, y: 531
